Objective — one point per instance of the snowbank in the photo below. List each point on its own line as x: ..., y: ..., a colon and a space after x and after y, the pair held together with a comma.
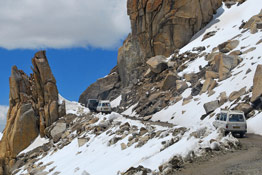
x: 254, y: 124
x: 116, y: 102
x: 73, y: 107
x: 37, y: 143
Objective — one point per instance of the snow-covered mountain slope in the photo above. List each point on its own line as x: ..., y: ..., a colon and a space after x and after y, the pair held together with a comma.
x: 226, y: 25
x: 116, y: 144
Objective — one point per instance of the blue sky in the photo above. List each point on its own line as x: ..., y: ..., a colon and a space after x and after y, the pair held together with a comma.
x: 81, y: 38
x: 74, y: 69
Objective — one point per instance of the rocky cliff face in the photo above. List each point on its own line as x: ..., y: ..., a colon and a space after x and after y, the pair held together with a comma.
x: 159, y: 27
x: 33, y: 106
x: 103, y: 88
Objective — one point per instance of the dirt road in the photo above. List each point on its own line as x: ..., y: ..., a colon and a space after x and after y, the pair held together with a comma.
x: 247, y: 161
x: 163, y: 124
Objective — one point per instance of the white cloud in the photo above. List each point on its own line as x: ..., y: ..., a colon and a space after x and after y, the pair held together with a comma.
x: 3, y: 112
x: 63, y: 23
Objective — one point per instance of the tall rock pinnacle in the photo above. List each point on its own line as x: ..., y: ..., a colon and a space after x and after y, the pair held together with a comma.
x: 33, y: 106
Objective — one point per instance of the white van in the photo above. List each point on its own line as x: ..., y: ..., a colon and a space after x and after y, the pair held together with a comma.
x: 104, y: 107
x: 231, y: 121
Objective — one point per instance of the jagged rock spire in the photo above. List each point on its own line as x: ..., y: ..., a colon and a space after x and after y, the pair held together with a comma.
x: 33, y: 106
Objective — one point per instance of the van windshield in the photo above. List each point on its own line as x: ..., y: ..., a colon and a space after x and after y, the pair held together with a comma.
x: 236, y: 118
x: 106, y: 104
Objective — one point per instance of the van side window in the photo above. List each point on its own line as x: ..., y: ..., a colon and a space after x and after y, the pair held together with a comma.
x: 223, y: 117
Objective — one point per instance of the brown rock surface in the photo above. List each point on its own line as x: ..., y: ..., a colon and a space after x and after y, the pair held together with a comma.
x: 159, y: 27
x: 169, y: 82
x: 102, y: 88
x: 33, y: 107
x: 253, y: 23
x: 223, y: 64
x: 208, y: 85
x: 236, y: 94
x: 157, y: 64
x: 228, y: 46
x: 257, y: 84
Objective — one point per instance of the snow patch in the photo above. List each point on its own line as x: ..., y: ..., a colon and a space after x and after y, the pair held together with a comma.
x: 116, y: 102
x: 254, y: 124
x: 37, y: 143
x: 130, y: 111
x: 73, y: 107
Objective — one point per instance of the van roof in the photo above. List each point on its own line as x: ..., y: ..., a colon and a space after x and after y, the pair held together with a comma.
x: 232, y: 111
x: 104, y: 101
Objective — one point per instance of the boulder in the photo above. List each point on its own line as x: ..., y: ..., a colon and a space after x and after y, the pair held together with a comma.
x: 211, y: 74
x: 257, y: 84
x: 222, y: 98
x: 208, y: 85
x: 172, y: 64
x: 169, y: 82
x: 228, y: 46
x: 196, y: 89
x: 123, y: 146
x: 259, y: 25
x: 181, y: 85
x: 82, y: 141
x: 187, y: 100
x: 57, y: 131
x: 157, y: 64
x: 138, y: 170
x: 245, y: 107
x: 189, y: 77
x: 235, y: 53
x: 253, y: 23
x: 223, y: 64
x: 211, y: 106
x: 236, y: 94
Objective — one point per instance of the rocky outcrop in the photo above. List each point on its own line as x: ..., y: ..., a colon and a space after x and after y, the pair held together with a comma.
x: 257, y: 84
x: 33, y: 106
x: 211, y: 106
x: 223, y: 64
x: 159, y: 27
x: 157, y: 64
x: 102, y: 88
x: 254, y: 23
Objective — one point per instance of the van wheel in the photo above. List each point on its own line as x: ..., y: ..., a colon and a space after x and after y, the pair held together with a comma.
x: 241, y: 135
